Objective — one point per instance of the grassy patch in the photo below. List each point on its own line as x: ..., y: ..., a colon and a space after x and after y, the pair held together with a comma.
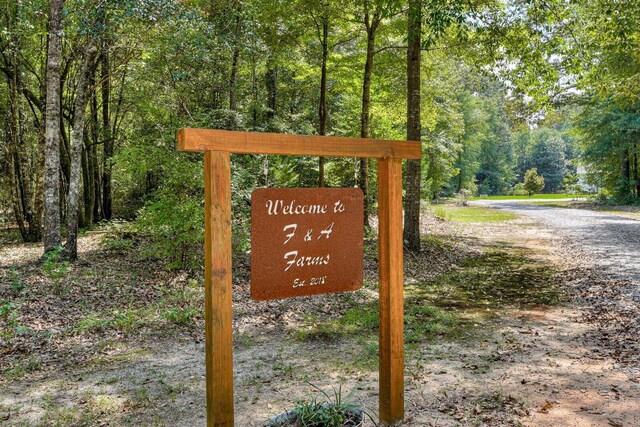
x: 181, y: 316
x: 126, y: 320
x: 495, y: 281
x: 535, y: 196
x: 21, y: 368
x: 95, y: 410
x: 471, y: 214
x: 451, y: 306
x: 557, y: 204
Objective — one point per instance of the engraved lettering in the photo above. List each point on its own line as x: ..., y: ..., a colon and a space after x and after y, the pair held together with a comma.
x: 293, y: 254
x: 293, y: 232
x: 326, y: 232
x: 277, y: 207
x: 304, y: 261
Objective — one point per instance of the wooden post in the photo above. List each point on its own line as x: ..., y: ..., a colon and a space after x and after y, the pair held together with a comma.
x: 217, y: 289
x: 391, y: 290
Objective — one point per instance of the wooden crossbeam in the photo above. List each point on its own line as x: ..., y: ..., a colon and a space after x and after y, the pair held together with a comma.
x: 294, y: 145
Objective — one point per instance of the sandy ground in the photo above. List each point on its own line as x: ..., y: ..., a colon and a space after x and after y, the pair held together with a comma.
x: 532, y: 366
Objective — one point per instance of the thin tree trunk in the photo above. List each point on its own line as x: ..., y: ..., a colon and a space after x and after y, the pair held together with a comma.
x: 625, y: 172
x: 371, y: 26
x: 271, y: 82
x: 107, y: 153
x: 412, y: 185
x: 322, y: 109
x: 88, y: 162
x: 22, y: 176
x: 460, y: 167
x: 13, y: 162
x: 234, y: 65
x: 637, y: 163
x: 80, y: 106
x: 52, y: 238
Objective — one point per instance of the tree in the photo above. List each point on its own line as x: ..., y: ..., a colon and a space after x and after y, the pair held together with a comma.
x: 23, y: 155
x: 371, y: 23
x: 323, y: 35
x: 548, y: 158
x: 533, y: 182
x: 413, y: 174
x: 80, y: 106
x: 52, y: 237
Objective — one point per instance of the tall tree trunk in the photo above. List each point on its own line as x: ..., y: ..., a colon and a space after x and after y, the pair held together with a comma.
x: 97, y: 187
x: 322, y: 108
x: 271, y: 82
x: 52, y: 238
x: 22, y: 176
x: 625, y: 173
x: 371, y: 26
x: 637, y: 163
x: 88, y: 162
x: 460, y: 166
x: 80, y: 106
x: 14, y: 168
x: 107, y: 153
x: 412, y: 184
x: 234, y: 66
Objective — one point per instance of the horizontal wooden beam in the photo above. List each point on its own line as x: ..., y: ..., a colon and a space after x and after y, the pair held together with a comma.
x: 294, y: 145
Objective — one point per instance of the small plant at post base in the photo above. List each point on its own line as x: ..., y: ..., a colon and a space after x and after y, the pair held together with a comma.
x: 533, y: 182
x: 331, y: 411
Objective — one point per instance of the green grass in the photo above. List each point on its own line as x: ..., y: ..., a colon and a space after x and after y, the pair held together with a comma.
x: 458, y: 305
x: 558, y: 204
x: 535, y: 196
x: 471, y: 214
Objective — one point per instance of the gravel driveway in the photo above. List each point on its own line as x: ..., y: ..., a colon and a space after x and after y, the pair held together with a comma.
x: 612, y: 242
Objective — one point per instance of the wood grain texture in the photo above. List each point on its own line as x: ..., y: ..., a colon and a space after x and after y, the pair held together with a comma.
x: 218, y: 312
x: 391, y: 291
x: 294, y: 145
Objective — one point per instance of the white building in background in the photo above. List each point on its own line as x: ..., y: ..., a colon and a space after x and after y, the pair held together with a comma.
x: 582, y: 173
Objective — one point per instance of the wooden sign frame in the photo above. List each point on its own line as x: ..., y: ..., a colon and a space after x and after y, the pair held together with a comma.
x: 218, y: 146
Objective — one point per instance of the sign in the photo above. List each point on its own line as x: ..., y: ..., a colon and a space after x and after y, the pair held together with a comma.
x: 217, y: 146
x: 306, y: 241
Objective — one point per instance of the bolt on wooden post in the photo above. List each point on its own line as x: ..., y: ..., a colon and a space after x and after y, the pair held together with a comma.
x: 217, y: 146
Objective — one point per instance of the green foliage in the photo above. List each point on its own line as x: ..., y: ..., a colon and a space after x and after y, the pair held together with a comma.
x: 10, y: 326
x: 322, y: 410
x: 180, y: 316
x: 571, y: 184
x: 172, y: 221
x: 533, y: 183
x: 519, y: 190
x: 463, y: 197
x: 55, y: 266
x: 602, y: 196
x: 609, y: 134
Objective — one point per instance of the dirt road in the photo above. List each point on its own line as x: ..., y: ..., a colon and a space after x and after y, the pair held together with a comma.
x: 612, y: 242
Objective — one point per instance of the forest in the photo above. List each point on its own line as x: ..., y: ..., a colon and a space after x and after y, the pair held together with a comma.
x: 509, y: 297
x: 93, y: 92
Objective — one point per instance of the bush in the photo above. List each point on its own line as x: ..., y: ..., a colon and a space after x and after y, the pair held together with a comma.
x: 602, y: 196
x: 533, y: 182
x: 463, y: 197
x: 519, y: 190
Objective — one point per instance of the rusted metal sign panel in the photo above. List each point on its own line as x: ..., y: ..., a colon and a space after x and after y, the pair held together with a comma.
x: 306, y: 241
